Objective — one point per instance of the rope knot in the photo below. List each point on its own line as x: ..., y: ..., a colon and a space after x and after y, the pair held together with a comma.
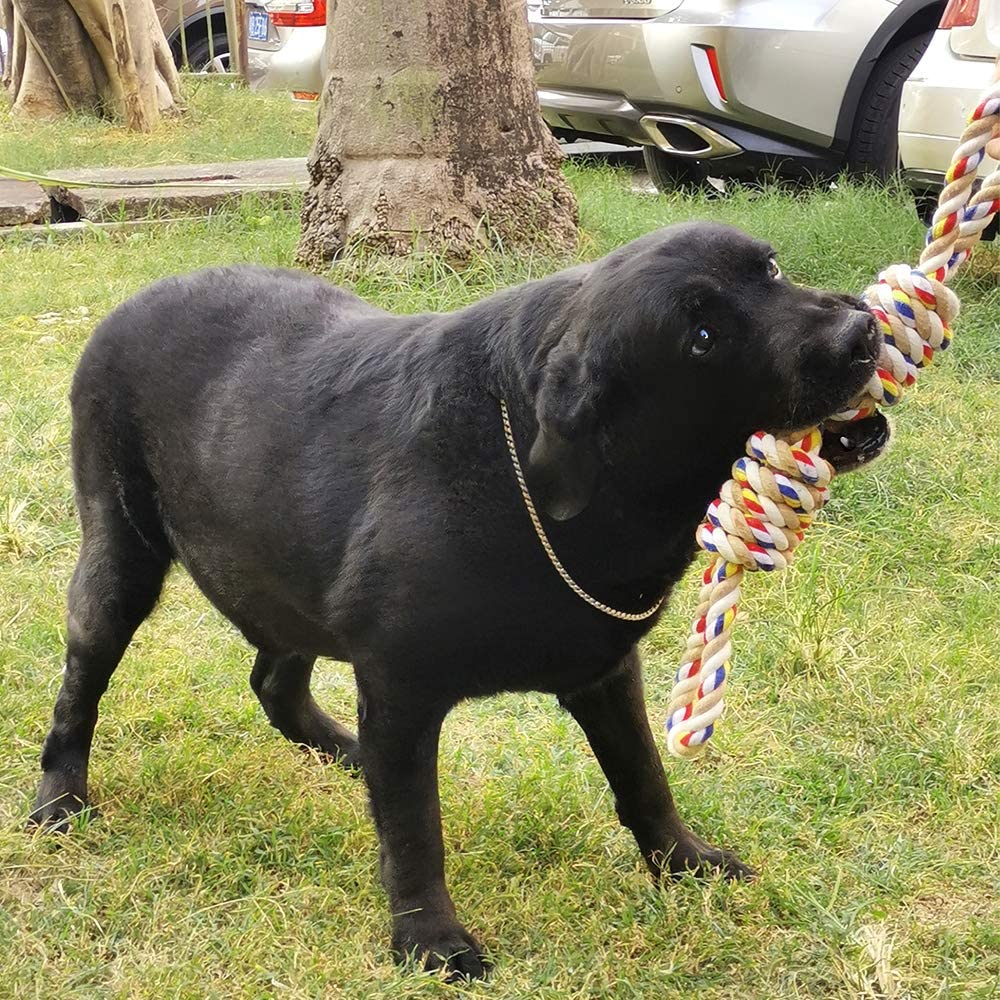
x: 914, y: 312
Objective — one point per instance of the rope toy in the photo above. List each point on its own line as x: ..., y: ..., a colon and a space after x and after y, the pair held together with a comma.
x: 761, y: 514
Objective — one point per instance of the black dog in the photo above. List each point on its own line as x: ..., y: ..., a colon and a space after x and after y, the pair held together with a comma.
x: 336, y: 480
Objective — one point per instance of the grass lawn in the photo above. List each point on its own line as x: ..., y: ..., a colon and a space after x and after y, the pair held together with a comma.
x: 857, y: 767
x: 221, y: 123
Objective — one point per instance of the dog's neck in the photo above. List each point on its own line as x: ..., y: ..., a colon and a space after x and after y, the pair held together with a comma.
x: 638, y: 530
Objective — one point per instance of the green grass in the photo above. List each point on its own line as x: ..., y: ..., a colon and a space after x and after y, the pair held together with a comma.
x: 857, y: 766
x: 220, y: 123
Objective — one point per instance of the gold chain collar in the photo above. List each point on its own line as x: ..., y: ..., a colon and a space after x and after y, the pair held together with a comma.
x: 536, y: 522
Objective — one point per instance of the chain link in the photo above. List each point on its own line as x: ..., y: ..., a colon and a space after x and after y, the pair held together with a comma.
x: 625, y: 616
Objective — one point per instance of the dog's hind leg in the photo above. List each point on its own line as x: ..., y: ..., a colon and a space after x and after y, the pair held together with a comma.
x: 613, y: 716
x: 281, y: 682
x: 116, y: 583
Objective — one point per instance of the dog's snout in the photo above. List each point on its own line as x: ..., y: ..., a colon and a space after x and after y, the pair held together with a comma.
x: 863, y: 339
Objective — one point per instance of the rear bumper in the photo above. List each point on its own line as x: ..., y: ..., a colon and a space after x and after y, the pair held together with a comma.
x: 607, y: 115
x: 295, y: 61
x: 661, y: 65
x: 721, y: 146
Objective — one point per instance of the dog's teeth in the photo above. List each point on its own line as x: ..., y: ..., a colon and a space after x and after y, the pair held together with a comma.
x: 846, y: 442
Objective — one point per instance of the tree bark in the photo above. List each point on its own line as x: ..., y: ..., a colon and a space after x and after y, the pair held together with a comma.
x: 430, y: 135
x: 104, y: 57
x: 7, y: 26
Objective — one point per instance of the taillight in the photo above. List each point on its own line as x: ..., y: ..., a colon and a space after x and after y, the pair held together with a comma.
x: 713, y: 62
x: 960, y: 14
x: 706, y: 64
x: 297, y: 13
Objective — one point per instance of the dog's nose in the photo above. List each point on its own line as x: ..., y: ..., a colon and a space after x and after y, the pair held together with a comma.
x: 862, y: 339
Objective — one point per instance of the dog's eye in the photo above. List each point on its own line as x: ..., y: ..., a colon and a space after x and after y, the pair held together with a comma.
x: 773, y: 269
x: 702, y: 341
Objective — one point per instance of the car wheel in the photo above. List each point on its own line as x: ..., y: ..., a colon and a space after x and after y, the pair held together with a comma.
x: 874, y: 145
x: 201, y: 60
x: 669, y: 173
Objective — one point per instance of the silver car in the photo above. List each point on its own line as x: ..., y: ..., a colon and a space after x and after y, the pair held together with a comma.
x: 728, y: 88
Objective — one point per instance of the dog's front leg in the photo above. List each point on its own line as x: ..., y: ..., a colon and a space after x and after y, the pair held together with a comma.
x: 613, y: 715
x: 399, y: 748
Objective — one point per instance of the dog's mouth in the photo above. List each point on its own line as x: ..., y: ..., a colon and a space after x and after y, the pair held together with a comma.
x: 848, y: 446
x: 829, y: 385
x: 834, y: 389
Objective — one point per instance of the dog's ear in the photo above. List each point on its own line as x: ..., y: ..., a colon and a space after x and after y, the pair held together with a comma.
x: 564, y: 461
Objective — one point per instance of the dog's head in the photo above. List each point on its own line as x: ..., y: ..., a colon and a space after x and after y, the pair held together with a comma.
x: 680, y: 345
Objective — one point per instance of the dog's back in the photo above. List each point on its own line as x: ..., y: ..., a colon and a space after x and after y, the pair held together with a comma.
x: 172, y: 346
x: 194, y: 400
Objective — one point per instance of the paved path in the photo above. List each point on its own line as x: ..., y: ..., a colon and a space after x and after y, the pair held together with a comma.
x: 112, y: 194
x: 21, y: 203
x: 189, y: 189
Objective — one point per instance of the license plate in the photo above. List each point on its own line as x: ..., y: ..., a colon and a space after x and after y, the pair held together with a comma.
x: 257, y: 26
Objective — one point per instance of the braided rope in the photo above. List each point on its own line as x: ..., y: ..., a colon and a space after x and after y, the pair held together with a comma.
x: 761, y: 513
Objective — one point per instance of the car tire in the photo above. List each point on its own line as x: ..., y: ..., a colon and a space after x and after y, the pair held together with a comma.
x: 669, y: 173
x: 199, y: 54
x: 874, y: 147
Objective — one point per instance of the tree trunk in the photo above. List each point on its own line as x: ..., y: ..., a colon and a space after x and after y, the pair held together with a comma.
x: 430, y: 135
x: 105, y: 57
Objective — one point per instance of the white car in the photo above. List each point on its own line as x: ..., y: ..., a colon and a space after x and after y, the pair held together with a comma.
x: 943, y: 88
x: 285, y: 46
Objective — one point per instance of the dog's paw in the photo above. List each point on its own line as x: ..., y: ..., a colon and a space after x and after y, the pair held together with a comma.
x: 693, y: 856
x: 55, y: 815
x: 348, y: 757
x: 62, y: 796
x: 439, y: 944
